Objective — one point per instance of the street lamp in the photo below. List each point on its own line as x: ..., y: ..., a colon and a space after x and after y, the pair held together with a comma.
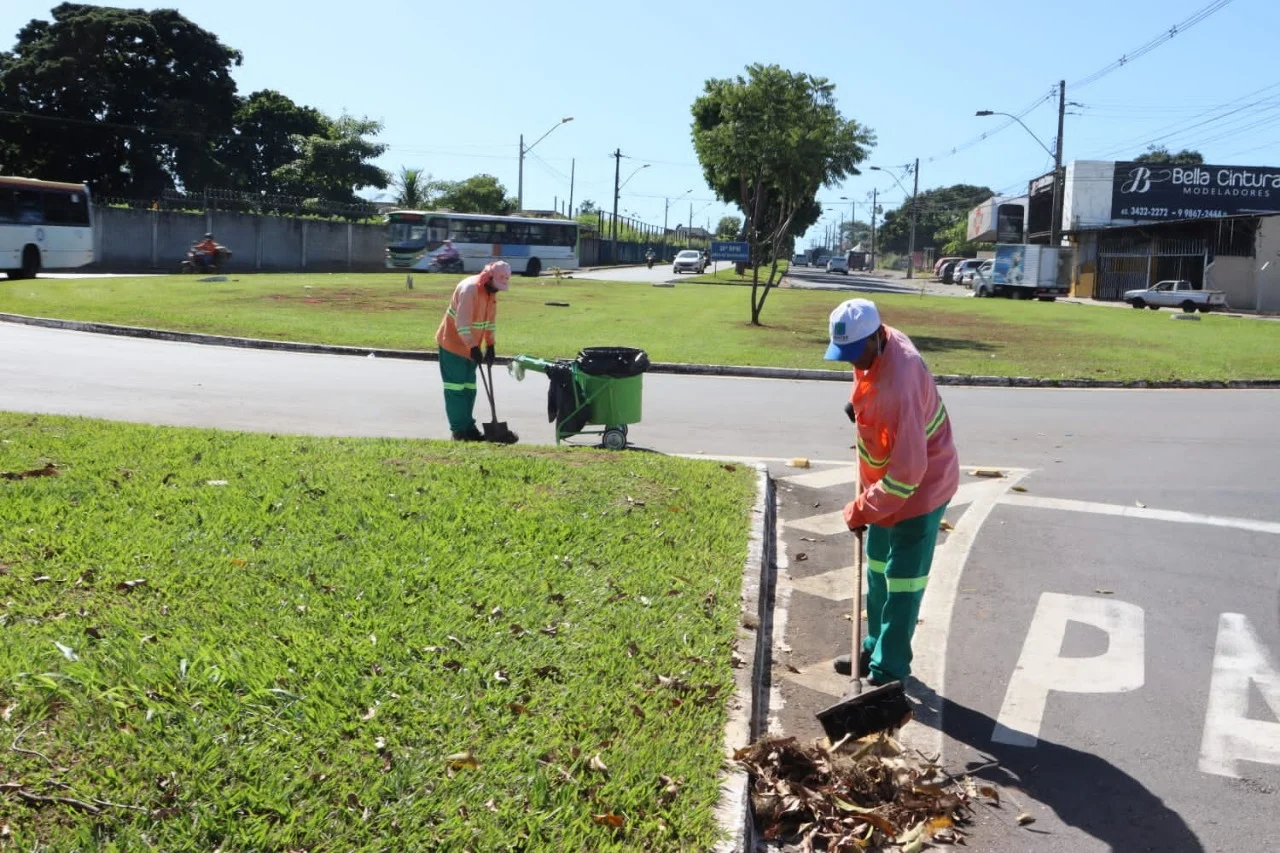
x: 853, y: 216
x: 1054, y: 237
x: 911, y: 245
x: 524, y: 151
x: 666, y: 205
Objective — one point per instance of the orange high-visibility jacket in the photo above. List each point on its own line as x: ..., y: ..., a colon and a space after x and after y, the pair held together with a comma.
x: 906, y: 456
x: 470, y: 320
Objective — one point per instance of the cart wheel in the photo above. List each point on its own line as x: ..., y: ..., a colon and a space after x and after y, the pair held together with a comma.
x: 615, y: 439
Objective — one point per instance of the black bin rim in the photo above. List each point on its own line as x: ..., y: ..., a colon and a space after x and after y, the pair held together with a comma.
x: 614, y: 362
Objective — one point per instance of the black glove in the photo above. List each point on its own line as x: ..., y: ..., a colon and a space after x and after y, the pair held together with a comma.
x: 848, y: 410
x: 488, y: 356
x: 476, y: 355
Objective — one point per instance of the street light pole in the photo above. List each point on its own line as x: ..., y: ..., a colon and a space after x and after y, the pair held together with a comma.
x: 911, y: 246
x: 1056, y: 154
x: 524, y: 151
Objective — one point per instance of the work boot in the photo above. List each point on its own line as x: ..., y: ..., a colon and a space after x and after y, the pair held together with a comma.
x: 507, y: 437
x: 468, y: 434
x: 843, y: 664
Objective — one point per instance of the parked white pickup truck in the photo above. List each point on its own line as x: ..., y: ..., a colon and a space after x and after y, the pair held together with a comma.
x: 1176, y: 294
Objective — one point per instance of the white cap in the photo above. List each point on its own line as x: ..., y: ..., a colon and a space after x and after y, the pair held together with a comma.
x: 851, y: 324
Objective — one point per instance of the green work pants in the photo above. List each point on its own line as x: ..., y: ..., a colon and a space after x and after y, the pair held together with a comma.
x: 898, y: 561
x: 459, y: 377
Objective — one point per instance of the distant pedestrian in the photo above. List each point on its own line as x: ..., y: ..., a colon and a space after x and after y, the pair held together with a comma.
x: 909, y: 471
x: 467, y: 326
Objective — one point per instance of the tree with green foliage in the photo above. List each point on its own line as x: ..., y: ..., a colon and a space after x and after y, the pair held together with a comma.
x: 954, y: 240
x: 477, y: 194
x: 856, y: 232
x: 335, y: 163
x: 1160, y: 155
x: 587, y: 206
x: 728, y: 228
x: 414, y: 189
x: 132, y: 101
x: 938, y: 210
x: 266, y: 137
x: 767, y: 142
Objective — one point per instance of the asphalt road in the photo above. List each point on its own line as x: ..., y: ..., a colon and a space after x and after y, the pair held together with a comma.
x: 1104, y: 661
x: 816, y: 278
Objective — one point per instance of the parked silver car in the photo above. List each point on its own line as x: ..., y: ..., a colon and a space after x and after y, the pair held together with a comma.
x: 689, y: 260
x: 838, y: 264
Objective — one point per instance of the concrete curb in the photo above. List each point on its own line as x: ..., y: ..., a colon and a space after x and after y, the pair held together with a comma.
x: 674, y: 368
x: 749, y: 710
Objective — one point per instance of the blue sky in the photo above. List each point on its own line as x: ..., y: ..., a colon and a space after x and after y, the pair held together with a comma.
x: 455, y: 89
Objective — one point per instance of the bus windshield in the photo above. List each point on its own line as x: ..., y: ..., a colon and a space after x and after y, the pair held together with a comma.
x: 416, y: 230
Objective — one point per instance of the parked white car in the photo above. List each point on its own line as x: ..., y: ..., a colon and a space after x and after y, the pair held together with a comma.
x: 963, y: 272
x: 1176, y: 293
x: 840, y: 265
x: 689, y: 260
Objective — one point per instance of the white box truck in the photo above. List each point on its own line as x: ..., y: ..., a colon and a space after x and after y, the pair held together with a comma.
x: 1023, y: 271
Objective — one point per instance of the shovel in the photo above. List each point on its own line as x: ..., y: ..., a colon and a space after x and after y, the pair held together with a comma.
x: 859, y: 713
x: 495, y: 431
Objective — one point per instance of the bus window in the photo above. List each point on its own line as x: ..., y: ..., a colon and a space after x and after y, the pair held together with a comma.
x: 30, y: 207
x: 517, y: 233
x: 498, y: 232
x: 536, y: 236
x: 63, y: 208
x: 437, y: 230
x: 8, y: 208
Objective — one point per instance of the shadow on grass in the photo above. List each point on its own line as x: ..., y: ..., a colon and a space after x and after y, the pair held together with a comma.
x: 1084, y: 790
x: 931, y: 343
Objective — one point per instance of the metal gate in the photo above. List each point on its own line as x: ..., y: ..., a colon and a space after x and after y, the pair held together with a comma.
x: 1127, y: 263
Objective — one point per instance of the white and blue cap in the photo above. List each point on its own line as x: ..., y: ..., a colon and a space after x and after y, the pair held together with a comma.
x: 852, y: 324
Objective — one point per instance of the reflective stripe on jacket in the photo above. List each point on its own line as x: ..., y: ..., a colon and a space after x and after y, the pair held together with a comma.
x: 471, y: 318
x: 906, y: 456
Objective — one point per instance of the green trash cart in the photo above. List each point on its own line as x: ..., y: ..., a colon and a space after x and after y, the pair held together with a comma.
x: 598, y: 393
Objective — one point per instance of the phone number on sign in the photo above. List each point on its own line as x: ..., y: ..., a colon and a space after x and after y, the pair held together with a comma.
x: 1174, y: 213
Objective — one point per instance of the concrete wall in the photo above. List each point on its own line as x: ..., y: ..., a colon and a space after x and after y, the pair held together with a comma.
x: 1252, y: 284
x: 133, y: 240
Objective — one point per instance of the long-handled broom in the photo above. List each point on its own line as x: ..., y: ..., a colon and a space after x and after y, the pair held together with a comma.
x: 859, y: 714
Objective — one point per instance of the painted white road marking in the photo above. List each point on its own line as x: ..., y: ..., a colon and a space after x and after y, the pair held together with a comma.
x: 930, y: 641
x: 1142, y: 512
x: 835, y: 585
x: 1042, y: 668
x: 827, y: 524
x: 1230, y: 735
x: 845, y: 475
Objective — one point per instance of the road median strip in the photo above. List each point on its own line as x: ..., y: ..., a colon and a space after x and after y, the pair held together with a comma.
x: 673, y: 368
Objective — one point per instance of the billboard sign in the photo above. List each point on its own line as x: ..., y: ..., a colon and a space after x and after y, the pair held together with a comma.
x: 1156, y: 191
x: 730, y: 251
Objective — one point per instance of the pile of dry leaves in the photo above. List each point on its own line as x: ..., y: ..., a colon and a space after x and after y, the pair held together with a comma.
x: 864, y: 795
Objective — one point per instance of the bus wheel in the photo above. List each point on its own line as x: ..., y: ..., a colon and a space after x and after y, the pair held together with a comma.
x: 30, y: 262
x: 534, y: 268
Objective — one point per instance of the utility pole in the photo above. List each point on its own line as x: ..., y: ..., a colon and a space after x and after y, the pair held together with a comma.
x: 520, y: 180
x: 617, y: 175
x: 689, y: 233
x: 911, y: 245
x: 1055, y: 218
x: 874, y: 196
x: 573, y: 164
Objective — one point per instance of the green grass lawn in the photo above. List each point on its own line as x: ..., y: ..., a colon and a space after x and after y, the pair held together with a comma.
x: 686, y: 323
x: 266, y: 642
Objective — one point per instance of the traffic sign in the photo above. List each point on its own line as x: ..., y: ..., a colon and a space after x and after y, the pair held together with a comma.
x: 729, y: 251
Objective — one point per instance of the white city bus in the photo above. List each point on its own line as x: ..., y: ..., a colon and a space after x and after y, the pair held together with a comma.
x: 529, y: 244
x: 44, y: 225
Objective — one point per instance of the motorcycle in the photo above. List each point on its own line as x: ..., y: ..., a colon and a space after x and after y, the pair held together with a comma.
x: 194, y: 263
x: 449, y: 265
x: 649, y: 260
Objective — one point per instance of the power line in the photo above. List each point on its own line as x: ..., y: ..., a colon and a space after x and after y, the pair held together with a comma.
x: 1152, y: 44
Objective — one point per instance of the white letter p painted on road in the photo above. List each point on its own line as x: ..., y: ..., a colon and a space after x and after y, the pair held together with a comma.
x: 1230, y: 735
x: 1042, y: 668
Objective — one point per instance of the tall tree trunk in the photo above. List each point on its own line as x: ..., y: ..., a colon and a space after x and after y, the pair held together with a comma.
x: 756, y: 306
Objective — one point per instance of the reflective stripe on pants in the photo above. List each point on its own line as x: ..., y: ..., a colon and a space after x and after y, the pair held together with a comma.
x: 898, y: 562
x: 458, y: 375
